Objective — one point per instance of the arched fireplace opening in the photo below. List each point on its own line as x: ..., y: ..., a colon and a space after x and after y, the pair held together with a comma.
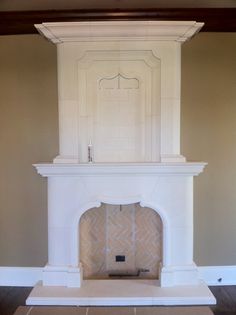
x: 120, y: 241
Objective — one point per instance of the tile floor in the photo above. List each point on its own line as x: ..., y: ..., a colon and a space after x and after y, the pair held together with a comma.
x: 42, y: 310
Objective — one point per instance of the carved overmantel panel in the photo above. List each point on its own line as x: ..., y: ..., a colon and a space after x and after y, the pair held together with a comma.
x: 118, y: 110
x: 119, y: 89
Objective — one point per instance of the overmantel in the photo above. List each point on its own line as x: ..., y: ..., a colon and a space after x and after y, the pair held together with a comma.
x: 135, y: 120
x: 119, y: 30
x: 113, y: 169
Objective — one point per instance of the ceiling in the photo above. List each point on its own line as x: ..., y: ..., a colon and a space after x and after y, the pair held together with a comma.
x: 26, y: 5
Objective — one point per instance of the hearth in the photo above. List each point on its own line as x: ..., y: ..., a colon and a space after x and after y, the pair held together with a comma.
x: 119, y: 131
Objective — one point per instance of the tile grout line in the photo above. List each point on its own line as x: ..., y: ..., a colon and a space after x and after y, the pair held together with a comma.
x: 29, y: 311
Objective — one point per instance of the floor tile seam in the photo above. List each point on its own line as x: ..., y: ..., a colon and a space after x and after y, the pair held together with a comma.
x: 133, y: 308
x: 29, y: 311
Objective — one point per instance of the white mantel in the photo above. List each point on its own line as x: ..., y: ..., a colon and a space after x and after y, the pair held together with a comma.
x: 119, y: 88
x: 110, y: 169
x: 165, y: 187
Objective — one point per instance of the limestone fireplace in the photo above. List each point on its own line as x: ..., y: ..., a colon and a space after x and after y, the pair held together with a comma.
x: 119, y: 131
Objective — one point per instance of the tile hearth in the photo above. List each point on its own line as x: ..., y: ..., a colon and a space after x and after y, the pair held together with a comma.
x: 121, y: 292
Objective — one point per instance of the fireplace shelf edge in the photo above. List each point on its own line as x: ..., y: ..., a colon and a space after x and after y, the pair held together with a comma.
x: 60, y: 32
x: 111, y: 169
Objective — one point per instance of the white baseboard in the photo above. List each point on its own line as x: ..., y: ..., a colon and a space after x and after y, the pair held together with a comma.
x: 20, y: 276
x: 29, y: 276
x: 218, y: 275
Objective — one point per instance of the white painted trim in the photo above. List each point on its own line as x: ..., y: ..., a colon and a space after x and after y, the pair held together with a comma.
x: 218, y: 275
x: 29, y: 276
x: 20, y: 276
x: 111, y: 169
x: 59, y: 32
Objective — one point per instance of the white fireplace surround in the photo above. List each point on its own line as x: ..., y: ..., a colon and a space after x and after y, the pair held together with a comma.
x: 166, y: 188
x: 119, y: 90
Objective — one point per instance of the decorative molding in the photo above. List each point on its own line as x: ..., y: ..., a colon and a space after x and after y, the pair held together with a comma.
x: 22, y: 22
x: 29, y: 276
x: 176, y: 275
x: 60, y: 32
x: 111, y: 169
x: 93, y: 119
x: 115, y: 83
x: 63, y: 276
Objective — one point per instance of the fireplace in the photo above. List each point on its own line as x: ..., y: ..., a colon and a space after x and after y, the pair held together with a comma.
x: 120, y: 242
x: 119, y: 131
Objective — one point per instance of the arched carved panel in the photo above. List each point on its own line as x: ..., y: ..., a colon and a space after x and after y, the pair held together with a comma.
x: 119, y: 106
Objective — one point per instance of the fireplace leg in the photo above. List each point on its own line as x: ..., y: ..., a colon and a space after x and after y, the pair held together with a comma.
x: 67, y: 276
x: 179, y: 275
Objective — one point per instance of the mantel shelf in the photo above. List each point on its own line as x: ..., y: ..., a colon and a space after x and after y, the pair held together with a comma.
x: 119, y: 30
x: 111, y: 169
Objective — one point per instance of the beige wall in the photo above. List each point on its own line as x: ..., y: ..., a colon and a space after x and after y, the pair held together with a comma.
x: 209, y: 134
x: 28, y: 134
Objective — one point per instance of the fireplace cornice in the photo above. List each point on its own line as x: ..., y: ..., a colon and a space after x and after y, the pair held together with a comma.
x: 60, y: 32
x: 111, y: 169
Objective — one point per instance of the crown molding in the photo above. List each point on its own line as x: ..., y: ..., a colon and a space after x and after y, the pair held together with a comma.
x: 111, y: 169
x: 22, y: 22
x: 119, y: 30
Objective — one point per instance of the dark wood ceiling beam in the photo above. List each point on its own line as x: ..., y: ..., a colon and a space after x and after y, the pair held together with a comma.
x: 22, y: 22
